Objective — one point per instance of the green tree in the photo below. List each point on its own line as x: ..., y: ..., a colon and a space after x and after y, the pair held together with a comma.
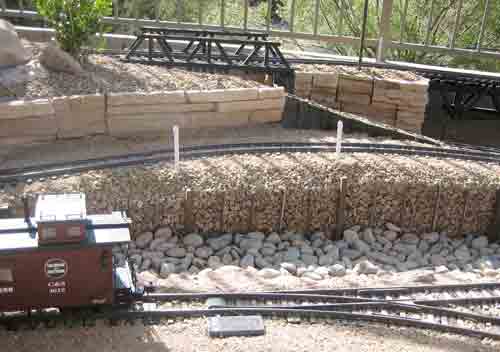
x: 75, y: 21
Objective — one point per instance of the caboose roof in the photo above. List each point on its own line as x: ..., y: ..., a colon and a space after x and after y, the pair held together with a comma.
x: 108, y: 229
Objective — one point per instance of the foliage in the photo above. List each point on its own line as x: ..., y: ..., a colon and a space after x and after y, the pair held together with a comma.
x: 75, y: 21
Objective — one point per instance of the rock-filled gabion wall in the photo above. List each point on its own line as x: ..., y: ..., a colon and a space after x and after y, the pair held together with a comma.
x: 298, y: 191
x: 394, y: 101
x: 315, y: 256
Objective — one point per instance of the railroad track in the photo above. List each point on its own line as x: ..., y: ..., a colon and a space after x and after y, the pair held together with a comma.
x: 54, y: 170
x: 441, y: 308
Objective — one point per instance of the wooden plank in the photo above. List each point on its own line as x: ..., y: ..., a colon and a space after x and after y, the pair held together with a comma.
x: 341, y: 208
x: 494, y: 228
x: 188, y: 211
x: 436, y: 207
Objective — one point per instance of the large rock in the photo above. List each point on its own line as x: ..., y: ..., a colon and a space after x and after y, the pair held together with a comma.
x: 144, y: 239
x: 247, y: 260
x: 163, y: 232
x: 480, y: 242
x: 12, y: 52
x: 367, y: 267
x: 55, y: 59
x: 337, y: 270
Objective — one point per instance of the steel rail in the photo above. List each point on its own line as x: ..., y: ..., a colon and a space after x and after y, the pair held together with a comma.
x: 193, y: 152
x: 325, y: 293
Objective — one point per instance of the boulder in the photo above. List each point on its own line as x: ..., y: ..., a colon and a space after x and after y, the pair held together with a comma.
x: 350, y: 236
x: 177, y: 252
x: 367, y: 267
x: 167, y: 269
x: 247, y: 260
x: 480, y: 242
x: 290, y: 267
x: 55, y: 59
x: 163, y: 232
x: 220, y: 242
x: 392, y: 227
x: 12, y: 51
x: 203, y: 252
x: 273, y: 238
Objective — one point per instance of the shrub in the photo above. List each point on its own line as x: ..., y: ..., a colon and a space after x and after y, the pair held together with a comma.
x: 75, y: 21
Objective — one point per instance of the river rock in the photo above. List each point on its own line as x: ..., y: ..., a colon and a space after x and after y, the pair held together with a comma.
x: 366, y: 267
x: 350, y: 253
x: 337, y: 270
x: 350, y: 236
x: 390, y: 235
x: 193, y: 240
x: 361, y: 246
x: 479, y: 242
x: 312, y: 275
x: 368, y: 236
x: 292, y: 254
x: 144, y: 239
x: 392, y: 227
x: 410, y: 238
x: 261, y: 263
x: 247, y: 260
x: 146, y: 264
x: 309, y: 259
x: 154, y: 244
x: 214, y: 262
x: 177, y: 252
x: 163, y: 232
x: 290, y: 267
x: 167, y: 269
x: 273, y: 238
x: 203, y: 252
x: 248, y: 243
x: 220, y: 241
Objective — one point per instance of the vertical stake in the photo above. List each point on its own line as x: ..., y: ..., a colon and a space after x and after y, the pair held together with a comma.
x: 338, y: 146
x: 341, y: 208
x: 282, y: 215
x: 176, y: 147
x: 188, y: 211
x: 494, y: 228
x: 436, y: 207
x: 251, y: 213
x: 464, y: 210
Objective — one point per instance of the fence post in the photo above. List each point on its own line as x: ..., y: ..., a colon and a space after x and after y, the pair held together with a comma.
x: 385, y: 30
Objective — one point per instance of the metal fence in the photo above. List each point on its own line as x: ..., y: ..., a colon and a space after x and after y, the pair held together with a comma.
x: 443, y: 27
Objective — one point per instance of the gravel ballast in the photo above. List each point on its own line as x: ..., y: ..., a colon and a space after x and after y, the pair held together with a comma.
x: 191, y: 335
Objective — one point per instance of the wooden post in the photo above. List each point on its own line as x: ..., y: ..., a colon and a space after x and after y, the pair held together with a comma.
x: 188, y: 211
x: 494, y: 228
x: 282, y: 213
x: 436, y: 207
x: 373, y: 201
x: 222, y: 201
x: 307, y: 225
x: 341, y: 208
x: 464, y: 210
x: 251, y: 213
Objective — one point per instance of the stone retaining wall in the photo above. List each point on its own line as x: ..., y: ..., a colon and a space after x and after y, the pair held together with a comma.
x: 397, y: 103
x: 119, y: 114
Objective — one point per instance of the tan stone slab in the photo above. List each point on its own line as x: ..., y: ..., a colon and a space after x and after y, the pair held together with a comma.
x: 79, y: 116
x: 30, y: 126
x: 222, y: 95
x: 410, y: 117
x: 415, y: 86
x: 146, y: 98
x: 147, y: 123
x: 251, y: 105
x: 219, y: 119
x: 303, y: 80
x: 355, y: 85
x: 263, y: 116
x: 306, y: 94
x: 26, y: 141
x: 348, y: 97
x: 383, y: 84
x: 25, y: 108
x: 325, y: 80
x: 371, y: 112
x: 324, y: 98
x: 159, y: 108
x: 271, y: 92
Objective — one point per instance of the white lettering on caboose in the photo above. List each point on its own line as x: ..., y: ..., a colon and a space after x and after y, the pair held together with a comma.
x: 6, y: 290
x: 57, y: 287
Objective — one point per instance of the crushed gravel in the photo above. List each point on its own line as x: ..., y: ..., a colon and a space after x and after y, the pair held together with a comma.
x: 366, y: 72
x: 109, y: 74
x: 191, y: 335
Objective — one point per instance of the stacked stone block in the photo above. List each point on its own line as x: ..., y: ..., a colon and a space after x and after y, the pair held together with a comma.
x: 120, y: 114
x: 27, y: 122
x: 394, y: 102
x: 130, y: 114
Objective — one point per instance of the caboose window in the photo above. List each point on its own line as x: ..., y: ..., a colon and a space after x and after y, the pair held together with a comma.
x: 74, y: 231
x: 48, y: 233
x: 6, y: 275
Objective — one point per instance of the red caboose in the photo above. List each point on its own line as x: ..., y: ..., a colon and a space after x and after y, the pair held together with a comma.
x: 61, y: 257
